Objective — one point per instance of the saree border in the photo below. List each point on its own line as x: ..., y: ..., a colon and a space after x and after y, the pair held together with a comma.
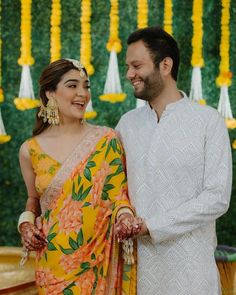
x: 83, y: 149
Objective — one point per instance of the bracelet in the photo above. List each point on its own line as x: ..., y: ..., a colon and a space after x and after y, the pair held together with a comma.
x: 124, y: 210
x: 26, y: 216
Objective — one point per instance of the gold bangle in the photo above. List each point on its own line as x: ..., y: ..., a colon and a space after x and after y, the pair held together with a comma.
x: 26, y: 216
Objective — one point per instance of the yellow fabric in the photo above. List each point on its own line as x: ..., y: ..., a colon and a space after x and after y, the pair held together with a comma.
x: 82, y: 255
x: 45, y: 167
x: 227, y: 272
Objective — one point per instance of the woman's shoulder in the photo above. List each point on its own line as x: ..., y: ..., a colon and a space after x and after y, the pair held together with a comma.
x: 105, y: 130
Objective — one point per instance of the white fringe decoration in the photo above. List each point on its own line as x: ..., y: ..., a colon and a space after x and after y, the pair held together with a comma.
x: 224, y: 107
x: 2, y: 128
x: 3, y: 136
x: 196, y: 85
x: 26, y: 99
x: 90, y: 113
x: 26, y: 85
x: 112, y: 89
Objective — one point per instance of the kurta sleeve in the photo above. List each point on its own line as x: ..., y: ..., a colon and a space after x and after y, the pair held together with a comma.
x: 214, y: 199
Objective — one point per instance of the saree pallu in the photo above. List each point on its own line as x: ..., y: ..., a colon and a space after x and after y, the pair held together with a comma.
x: 79, y: 208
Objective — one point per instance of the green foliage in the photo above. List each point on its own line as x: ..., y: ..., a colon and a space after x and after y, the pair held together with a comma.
x: 19, y: 124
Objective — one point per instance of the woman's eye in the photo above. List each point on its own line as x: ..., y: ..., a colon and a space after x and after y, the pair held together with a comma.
x: 71, y: 86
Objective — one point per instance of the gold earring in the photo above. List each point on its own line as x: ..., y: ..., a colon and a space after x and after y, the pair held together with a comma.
x: 52, y: 112
x: 42, y: 112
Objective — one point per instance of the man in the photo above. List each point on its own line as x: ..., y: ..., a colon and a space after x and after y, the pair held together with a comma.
x: 179, y: 172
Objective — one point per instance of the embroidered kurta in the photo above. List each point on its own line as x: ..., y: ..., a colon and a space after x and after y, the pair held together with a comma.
x: 179, y: 179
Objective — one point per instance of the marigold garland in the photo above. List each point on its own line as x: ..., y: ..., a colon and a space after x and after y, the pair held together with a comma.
x: 224, y: 79
x: 168, y: 16
x: 26, y: 42
x: 1, y: 90
x: 3, y: 136
x: 142, y: 15
x: 197, y: 58
x: 114, y: 42
x: 112, y: 89
x: 86, y: 42
x: 225, y: 76
x: 234, y: 144
x: 26, y: 59
x: 55, y: 49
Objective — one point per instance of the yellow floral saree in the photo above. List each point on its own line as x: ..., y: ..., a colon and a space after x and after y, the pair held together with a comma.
x: 79, y: 208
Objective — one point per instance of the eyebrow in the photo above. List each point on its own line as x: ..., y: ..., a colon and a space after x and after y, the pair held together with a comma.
x: 75, y: 80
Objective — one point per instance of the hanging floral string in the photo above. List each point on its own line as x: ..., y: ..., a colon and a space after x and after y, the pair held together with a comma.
x: 86, y: 48
x: 168, y: 16
x: 3, y: 136
x: 86, y: 43
x: 90, y: 113
x: 197, y: 58
x: 224, y: 78
x: 55, y: 49
x: 142, y: 17
x: 112, y: 90
x: 142, y: 22
x: 26, y: 98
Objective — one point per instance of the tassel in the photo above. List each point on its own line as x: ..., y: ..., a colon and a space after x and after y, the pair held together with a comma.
x: 196, y: 86
x: 224, y: 108
x: 26, y: 100
x: 3, y: 136
x: 112, y: 90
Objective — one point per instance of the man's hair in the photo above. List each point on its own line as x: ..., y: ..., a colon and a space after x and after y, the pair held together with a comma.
x: 160, y: 45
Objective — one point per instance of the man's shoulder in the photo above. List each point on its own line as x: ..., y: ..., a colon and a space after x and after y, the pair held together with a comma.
x: 204, y: 111
x: 133, y: 114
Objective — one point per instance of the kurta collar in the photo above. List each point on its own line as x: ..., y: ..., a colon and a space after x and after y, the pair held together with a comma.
x: 169, y: 108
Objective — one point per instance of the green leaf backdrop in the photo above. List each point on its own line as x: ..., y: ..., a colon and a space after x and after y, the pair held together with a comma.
x: 19, y: 124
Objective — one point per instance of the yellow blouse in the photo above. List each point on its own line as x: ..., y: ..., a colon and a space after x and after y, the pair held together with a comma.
x: 45, y: 167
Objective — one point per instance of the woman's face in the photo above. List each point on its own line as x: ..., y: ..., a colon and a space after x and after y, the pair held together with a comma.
x: 72, y: 95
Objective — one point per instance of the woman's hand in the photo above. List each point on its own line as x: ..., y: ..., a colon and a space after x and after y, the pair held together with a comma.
x: 128, y: 226
x: 32, y: 238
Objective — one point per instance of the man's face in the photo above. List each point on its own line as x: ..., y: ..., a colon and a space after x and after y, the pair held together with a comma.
x: 142, y: 73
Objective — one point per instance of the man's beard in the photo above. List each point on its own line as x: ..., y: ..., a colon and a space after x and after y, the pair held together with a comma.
x: 153, y: 86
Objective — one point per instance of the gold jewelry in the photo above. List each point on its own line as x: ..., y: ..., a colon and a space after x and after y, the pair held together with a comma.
x: 128, y: 251
x: 24, y: 257
x: 124, y: 210
x: 52, y: 112
x: 42, y: 112
x: 26, y: 216
x: 77, y: 64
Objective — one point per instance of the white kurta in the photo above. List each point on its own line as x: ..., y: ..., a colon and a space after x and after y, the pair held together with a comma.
x: 179, y: 177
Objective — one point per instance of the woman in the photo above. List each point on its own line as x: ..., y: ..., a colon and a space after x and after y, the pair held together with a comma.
x: 75, y: 179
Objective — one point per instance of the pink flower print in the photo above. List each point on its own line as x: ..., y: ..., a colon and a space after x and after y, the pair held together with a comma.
x: 101, y: 286
x: 45, y: 277
x: 123, y: 196
x: 79, y: 169
x: 69, y: 216
x: 98, y: 183
x: 86, y: 282
x: 71, y: 262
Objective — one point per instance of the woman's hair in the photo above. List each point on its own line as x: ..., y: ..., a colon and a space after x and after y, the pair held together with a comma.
x: 160, y: 45
x: 48, y: 81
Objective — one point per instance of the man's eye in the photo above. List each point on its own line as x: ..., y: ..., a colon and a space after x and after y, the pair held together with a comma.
x: 71, y: 86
